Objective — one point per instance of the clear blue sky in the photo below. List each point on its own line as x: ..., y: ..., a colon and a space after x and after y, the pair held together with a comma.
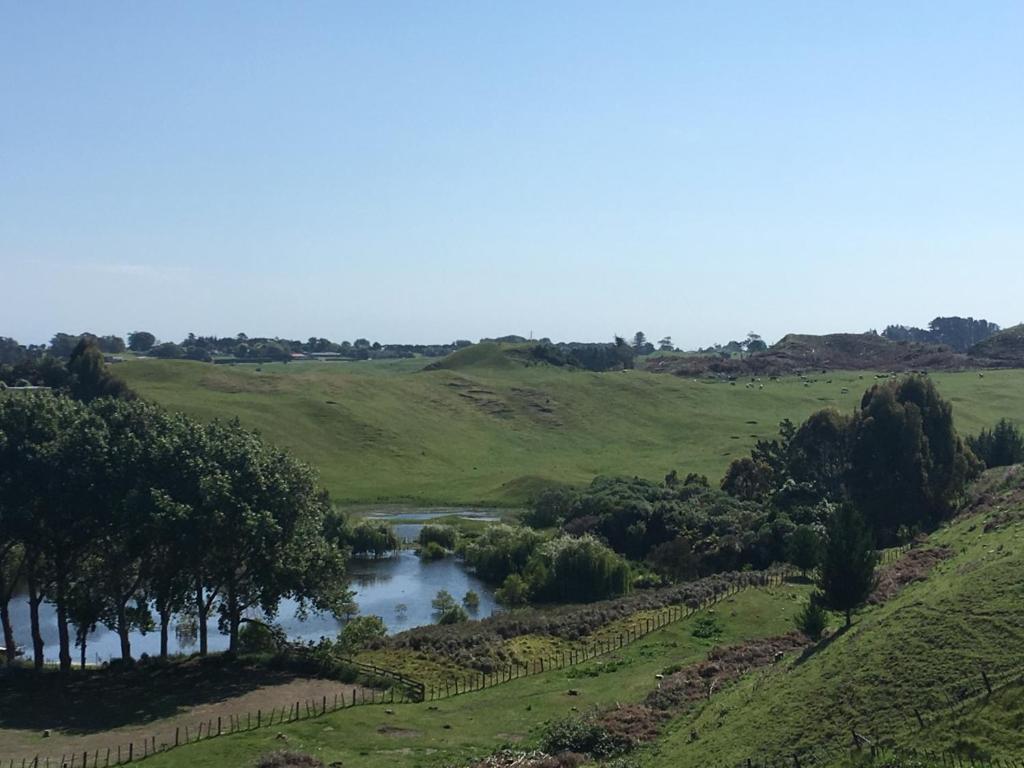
x: 426, y: 171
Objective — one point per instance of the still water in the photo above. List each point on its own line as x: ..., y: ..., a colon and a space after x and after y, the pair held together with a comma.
x: 398, y: 589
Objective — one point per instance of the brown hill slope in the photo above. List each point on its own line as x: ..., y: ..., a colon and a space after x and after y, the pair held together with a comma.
x: 836, y: 351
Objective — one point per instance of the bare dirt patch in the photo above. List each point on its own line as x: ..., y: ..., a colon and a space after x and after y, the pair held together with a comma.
x: 915, y: 565
x: 723, y: 665
x: 272, y: 691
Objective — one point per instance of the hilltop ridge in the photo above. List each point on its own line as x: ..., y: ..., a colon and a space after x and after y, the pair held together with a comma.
x: 796, y: 352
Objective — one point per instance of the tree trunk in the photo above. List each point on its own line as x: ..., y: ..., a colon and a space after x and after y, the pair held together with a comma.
x: 165, y: 620
x: 234, y: 619
x: 62, y: 628
x: 201, y: 608
x: 5, y: 620
x: 83, y: 652
x: 123, y: 631
x: 849, y: 617
x: 34, y: 599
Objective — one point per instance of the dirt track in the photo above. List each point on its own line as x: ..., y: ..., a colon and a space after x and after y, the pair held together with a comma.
x: 21, y: 743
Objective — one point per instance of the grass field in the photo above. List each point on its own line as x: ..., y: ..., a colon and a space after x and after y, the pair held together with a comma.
x: 929, y: 643
x: 491, y: 431
x: 511, y: 714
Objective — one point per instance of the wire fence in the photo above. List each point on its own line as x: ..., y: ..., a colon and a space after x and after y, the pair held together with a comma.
x: 930, y: 707
x: 403, y: 689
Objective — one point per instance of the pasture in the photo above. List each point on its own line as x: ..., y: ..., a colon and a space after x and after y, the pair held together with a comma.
x: 496, y: 432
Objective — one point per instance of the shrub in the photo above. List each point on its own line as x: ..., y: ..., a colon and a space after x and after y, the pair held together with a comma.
x: 375, y: 539
x: 579, y: 570
x: 513, y: 592
x: 501, y: 550
x: 443, y: 535
x: 706, y: 628
x: 549, y: 509
x: 471, y: 601
x: 257, y: 637
x: 443, y: 601
x: 454, y: 615
x: 812, y: 619
x: 360, y: 631
x: 580, y: 733
x: 432, y: 551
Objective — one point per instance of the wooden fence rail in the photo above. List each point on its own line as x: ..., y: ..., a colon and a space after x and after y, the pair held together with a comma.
x: 408, y: 689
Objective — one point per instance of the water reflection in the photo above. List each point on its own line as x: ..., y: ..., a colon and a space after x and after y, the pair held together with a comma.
x: 399, y: 589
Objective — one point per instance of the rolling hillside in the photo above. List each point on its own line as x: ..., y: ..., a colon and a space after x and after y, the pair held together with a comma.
x: 495, y: 432
x: 914, y: 655
x: 892, y: 677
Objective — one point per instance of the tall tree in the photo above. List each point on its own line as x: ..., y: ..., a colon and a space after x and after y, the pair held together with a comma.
x: 907, y: 463
x: 90, y: 377
x: 268, y: 519
x: 847, y: 572
x: 141, y: 341
x: 1001, y: 446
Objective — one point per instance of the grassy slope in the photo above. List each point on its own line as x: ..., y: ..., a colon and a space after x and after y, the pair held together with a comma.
x: 512, y: 713
x: 908, y: 653
x: 490, y: 433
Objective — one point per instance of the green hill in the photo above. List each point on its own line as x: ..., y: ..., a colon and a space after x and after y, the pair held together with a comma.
x: 496, y: 432
x: 913, y: 655
x: 487, y: 355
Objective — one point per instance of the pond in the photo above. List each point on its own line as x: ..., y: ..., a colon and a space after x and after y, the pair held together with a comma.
x: 398, y: 589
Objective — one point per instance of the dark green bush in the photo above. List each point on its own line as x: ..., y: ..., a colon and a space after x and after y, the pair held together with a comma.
x: 580, y: 733
x: 443, y: 535
x: 812, y: 619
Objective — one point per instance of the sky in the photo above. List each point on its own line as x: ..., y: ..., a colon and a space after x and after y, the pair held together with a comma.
x: 419, y: 172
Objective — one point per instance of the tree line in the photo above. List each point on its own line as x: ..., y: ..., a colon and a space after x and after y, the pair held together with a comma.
x: 119, y: 513
x: 960, y: 333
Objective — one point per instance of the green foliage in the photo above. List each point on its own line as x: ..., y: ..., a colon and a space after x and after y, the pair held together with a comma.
x: 513, y: 592
x: 471, y: 601
x: 443, y: 602
x: 1001, y: 446
x: 89, y: 377
x: 454, y: 615
x: 118, y: 505
x: 359, y: 631
x: 443, y: 535
x: 805, y: 548
x: 684, y: 530
x: 812, y: 619
x: 707, y: 628
x: 907, y: 464
x: 847, y: 573
x: 141, y: 341
x: 258, y: 638
x: 432, y: 551
x: 501, y: 551
x: 674, y: 559
x: 578, y: 570
x: 549, y: 509
x: 747, y: 479
x: 582, y: 734
x: 373, y: 538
